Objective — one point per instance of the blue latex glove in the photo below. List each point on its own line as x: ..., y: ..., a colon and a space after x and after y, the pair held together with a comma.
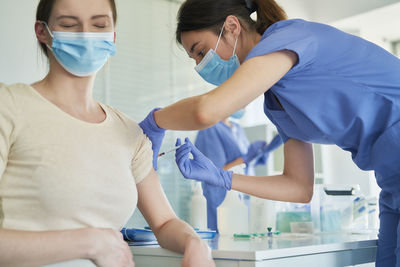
x: 154, y: 133
x: 253, y: 151
x: 200, y: 168
x: 263, y: 157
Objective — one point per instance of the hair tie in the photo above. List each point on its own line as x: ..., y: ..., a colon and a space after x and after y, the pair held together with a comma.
x: 251, y: 6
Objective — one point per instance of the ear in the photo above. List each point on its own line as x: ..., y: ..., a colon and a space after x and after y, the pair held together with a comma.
x: 42, y: 34
x: 232, y: 25
x: 115, y: 37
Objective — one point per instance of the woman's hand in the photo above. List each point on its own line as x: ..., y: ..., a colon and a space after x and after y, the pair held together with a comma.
x: 154, y: 133
x: 197, y: 253
x: 109, y: 248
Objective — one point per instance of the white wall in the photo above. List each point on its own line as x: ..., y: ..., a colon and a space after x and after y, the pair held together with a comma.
x: 380, y: 26
x: 327, y: 11
x: 297, y: 9
x: 20, y: 59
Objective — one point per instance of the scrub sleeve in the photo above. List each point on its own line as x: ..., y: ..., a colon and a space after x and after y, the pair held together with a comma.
x: 298, y: 40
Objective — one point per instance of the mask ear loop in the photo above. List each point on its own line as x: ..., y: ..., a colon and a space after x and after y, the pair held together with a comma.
x: 47, y: 27
x: 219, y: 38
x: 234, y: 48
x: 48, y: 30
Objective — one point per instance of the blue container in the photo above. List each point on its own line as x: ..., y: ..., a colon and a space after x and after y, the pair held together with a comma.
x: 146, y: 235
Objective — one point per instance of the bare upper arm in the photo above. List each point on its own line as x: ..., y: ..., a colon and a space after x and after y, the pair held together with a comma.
x: 252, y: 79
x: 153, y: 203
x: 299, y: 161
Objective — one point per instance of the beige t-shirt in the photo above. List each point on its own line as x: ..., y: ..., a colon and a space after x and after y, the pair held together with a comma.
x: 58, y: 172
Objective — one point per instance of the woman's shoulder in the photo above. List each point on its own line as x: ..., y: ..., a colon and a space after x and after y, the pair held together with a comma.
x: 10, y: 101
x: 123, y: 119
x: 16, y: 87
x: 9, y: 93
x: 115, y: 112
x: 13, y: 91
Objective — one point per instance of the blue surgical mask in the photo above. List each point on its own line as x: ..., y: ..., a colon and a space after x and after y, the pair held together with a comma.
x: 238, y: 114
x: 82, y: 53
x: 215, y: 70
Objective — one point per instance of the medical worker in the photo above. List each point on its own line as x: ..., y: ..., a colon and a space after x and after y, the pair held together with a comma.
x: 226, y: 145
x: 73, y: 170
x: 321, y: 85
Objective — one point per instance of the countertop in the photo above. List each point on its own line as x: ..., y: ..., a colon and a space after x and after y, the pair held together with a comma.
x: 278, y: 246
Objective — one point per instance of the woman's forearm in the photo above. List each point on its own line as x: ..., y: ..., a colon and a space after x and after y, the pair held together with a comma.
x: 26, y: 248
x: 176, y: 234
x: 171, y: 233
x: 296, y: 183
x: 279, y: 187
x: 257, y: 75
x: 187, y: 114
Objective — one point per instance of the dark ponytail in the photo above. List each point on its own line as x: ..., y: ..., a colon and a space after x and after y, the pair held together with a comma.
x: 196, y: 15
x: 268, y: 12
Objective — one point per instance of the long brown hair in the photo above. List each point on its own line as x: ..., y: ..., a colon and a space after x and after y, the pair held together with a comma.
x: 45, y: 7
x: 210, y: 14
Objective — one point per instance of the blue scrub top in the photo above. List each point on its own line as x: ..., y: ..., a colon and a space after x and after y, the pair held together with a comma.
x: 220, y: 143
x: 344, y: 90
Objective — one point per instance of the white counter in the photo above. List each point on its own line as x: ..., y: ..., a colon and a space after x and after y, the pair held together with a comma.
x: 284, y: 250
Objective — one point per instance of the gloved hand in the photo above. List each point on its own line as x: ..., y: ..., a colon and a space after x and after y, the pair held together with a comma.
x: 154, y: 133
x: 200, y: 168
x: 253, y: 151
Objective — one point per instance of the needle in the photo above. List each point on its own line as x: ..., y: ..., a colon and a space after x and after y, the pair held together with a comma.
x: 169, y: 151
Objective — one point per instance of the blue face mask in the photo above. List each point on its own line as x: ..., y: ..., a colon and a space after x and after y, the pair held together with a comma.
x: 82, y: 53
x: 238, y: 114
x: 215, y: 70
